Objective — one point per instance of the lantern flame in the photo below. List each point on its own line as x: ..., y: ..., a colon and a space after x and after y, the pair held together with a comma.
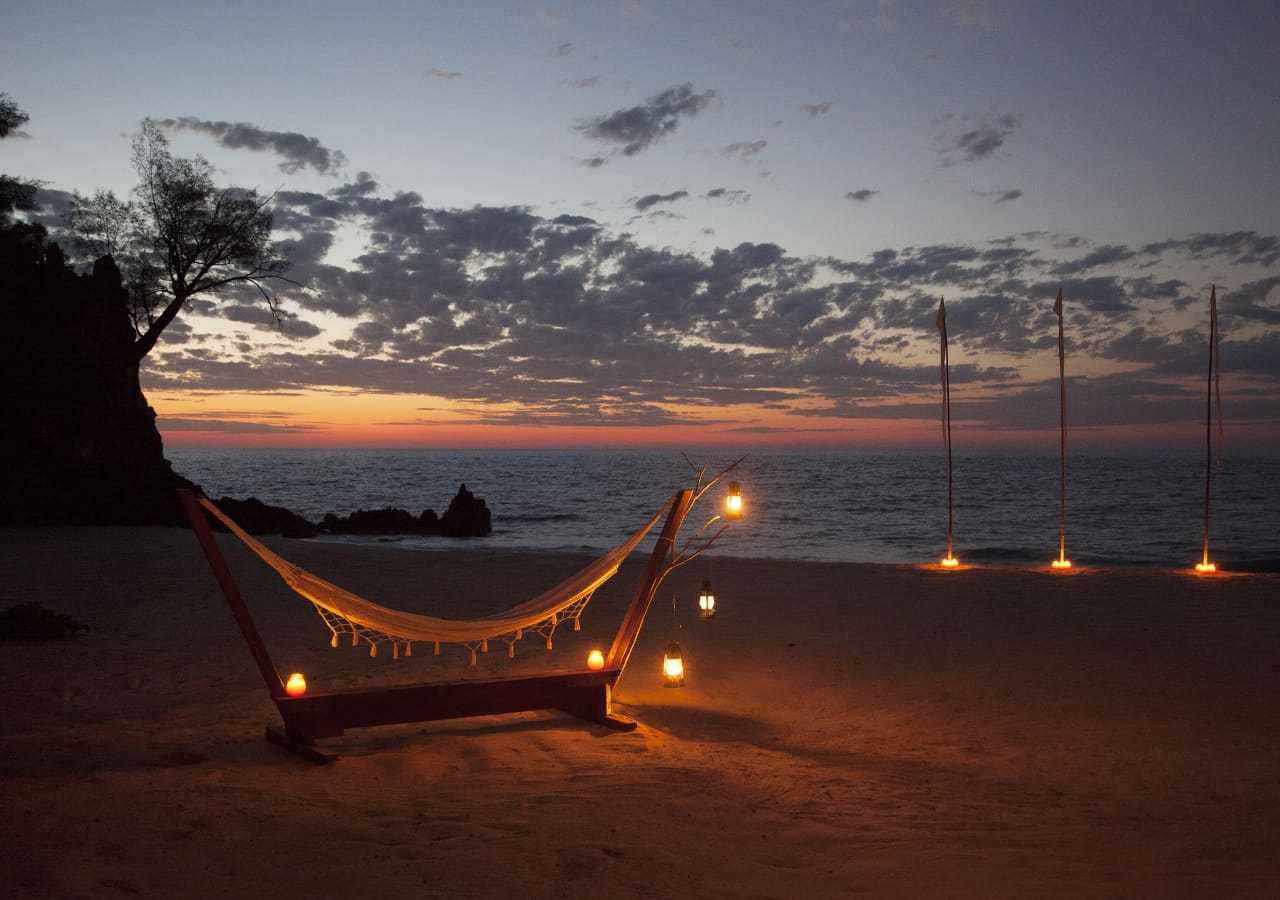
x: 706, y: 602
x: 733, y: 503
x: 595, y: 660
x: 297, y: 685
x: 673, y: 666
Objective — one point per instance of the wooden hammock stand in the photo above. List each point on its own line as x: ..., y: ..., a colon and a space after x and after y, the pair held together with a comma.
x: 581, y: 692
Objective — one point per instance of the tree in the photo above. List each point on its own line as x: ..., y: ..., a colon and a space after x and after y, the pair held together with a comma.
x: 15, y: 193
x: 11, y: 118
x: 179, y: 236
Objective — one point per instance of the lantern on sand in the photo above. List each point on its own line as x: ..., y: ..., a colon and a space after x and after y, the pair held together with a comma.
x: 733, y: 504
x: 672, y: 666
x: 297, y: 685
x: 595, y: 660
x: 706, y: 602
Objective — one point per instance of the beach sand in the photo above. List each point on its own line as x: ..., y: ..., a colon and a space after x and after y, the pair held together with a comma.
x: 846, y: 731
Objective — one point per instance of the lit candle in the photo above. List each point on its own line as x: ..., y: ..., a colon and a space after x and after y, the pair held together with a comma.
x: 595, y: 660
x: 297, y: 685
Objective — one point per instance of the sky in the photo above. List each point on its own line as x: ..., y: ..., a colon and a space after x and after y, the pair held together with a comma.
x: 690, y: 224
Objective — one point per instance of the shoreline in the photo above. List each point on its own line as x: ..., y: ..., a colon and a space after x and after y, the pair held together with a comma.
x: 846, y: 729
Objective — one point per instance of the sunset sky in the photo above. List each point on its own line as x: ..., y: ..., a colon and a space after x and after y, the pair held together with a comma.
x: 697, y: 223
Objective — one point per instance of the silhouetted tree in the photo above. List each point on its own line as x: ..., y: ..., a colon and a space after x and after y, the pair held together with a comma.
x: 179, y: 236
x: 15, y: 193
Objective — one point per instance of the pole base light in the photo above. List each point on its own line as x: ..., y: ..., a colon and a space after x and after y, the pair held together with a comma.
x: 1206, y: 568
x: 950, y: 562
x: 672, y: 666
x: 1061, y: 564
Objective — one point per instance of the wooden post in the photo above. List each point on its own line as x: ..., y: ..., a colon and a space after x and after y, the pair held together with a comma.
x: 659, y: 560
x: 200, y: 525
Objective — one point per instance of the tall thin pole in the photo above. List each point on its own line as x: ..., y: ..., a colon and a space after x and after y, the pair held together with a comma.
x: 1062, y: 436
x: 1208, y: 415
x: 946, y: 418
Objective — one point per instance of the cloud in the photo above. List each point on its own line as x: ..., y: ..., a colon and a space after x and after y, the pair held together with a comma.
x: 637, y: 128
x: 860, y: 196
x: 817, y: 109
x: 744, y: 149
x: 589, y: 82
x: 442, y: 74
x: 297, y: 150
x: 728, y: 196
x: 1102, y: 256
x: 973, y: 13
x: 964, y: 139
x: 1001, y: 196
x: 518, y: 317
x: 563, y: 51
x: 593, y: 162
x: 650, y: 200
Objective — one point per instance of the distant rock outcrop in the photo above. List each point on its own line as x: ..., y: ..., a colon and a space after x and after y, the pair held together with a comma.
x: 467, y: 516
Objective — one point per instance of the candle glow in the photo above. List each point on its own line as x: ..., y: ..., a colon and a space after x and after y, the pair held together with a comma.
x: 297, y: 685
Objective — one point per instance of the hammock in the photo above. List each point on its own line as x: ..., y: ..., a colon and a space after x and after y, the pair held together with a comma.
x: 347, y: 613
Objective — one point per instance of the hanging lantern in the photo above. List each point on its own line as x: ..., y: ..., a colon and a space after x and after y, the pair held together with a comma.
x: 297, y: 685
x: 595, y: 660
x: 733, y: 505
x: 706, y: 602
x: 672, y: 666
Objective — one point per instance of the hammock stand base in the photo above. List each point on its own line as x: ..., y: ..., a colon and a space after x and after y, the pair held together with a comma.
x: 583, y: 693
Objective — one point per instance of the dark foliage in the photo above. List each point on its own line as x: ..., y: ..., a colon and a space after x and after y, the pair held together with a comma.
x: 32, y: 622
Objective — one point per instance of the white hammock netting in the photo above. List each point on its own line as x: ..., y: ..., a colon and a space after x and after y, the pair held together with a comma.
x: 347, y: 613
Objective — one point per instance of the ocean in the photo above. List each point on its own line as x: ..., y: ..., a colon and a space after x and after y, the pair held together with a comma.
x: 833, y: 506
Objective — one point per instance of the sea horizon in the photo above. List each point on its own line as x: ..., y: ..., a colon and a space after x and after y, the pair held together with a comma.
x: 1124, y: 508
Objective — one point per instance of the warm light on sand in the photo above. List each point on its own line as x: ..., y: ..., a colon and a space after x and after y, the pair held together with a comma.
x: 1061, y: 563
x: 297, y: 685
x: 595, y: 660
x: 949, y: 562
x: 1206, y: 568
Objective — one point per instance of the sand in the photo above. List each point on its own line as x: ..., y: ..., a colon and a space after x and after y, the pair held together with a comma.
x: 846, y: 730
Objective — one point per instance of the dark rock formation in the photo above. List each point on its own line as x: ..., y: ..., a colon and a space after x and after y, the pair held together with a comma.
x: 80, y: 445
x: 467, y: 516
x: 257, y: 517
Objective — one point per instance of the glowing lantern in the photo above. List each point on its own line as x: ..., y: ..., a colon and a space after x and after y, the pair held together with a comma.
x: 950, y: 562
x: 733, y: 505
x: 706, y: 602
x: 595, y: 660
x: 672, y: 666
x: 297, y: 685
